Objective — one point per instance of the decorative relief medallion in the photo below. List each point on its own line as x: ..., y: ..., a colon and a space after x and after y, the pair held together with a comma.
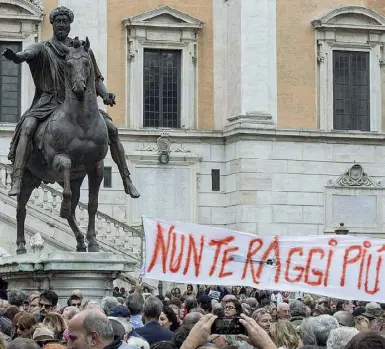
x: 354, y: 177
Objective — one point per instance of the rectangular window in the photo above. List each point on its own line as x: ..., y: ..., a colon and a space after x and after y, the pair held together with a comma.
x: 215, y: 180
x: 107, y: 183
x: 162, y: 86
x: 351, y: 91
x: 10, y: 85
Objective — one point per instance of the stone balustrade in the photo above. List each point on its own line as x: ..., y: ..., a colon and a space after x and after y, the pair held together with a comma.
x: 114, y: 235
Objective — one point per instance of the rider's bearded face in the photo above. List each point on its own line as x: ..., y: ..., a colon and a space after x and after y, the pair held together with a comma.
x: 61, y: 27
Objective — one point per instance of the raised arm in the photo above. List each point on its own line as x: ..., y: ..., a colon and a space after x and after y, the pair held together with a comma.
x: 19, y: 57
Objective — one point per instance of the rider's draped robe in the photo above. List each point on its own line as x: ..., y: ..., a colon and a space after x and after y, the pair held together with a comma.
x: 48, y: 72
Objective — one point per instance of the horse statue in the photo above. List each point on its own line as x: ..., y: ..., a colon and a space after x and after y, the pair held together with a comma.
x: 68, y: 146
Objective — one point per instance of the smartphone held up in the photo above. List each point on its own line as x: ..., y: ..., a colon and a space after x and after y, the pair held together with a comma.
x: 228, y: 326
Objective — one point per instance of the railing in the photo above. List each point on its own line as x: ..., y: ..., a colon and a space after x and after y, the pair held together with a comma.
x: 115, y: 235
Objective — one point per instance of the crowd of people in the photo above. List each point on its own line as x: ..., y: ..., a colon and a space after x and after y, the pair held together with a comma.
x: 183, y: 319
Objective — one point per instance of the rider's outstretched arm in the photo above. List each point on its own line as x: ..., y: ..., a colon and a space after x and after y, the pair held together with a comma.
x: 20, y: 57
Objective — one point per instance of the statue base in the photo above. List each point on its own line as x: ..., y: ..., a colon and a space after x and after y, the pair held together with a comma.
x: 92, y: 273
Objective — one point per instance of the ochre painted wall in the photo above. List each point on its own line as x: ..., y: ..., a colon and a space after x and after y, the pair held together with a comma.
x: 46, y: 28
x: 296, y: 57
x: 117, y: 56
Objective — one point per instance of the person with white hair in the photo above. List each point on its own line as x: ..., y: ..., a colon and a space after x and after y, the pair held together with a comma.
x: 108, y: 303
x: 316, y: 330
x: 341, y: 336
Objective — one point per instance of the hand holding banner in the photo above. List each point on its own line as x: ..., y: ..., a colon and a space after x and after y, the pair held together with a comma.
x: 344, y: 267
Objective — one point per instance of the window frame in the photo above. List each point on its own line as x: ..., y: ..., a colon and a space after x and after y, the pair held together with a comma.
x: 349, y: 55
x: 179, y: 88
x: 351, y: 28
x: 19, y: 82
x: 109, y: 169
x: 175, y: 31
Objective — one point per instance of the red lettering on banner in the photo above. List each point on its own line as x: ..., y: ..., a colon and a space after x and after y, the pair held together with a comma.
x: 226, y: 259
x: 362, y: 265
x: 249, y: 258
x: 377, y: 279
x: 301, y: 270
x: 161, y: 247
x: 219, y: 244
x: 332, y: 243
x: 274, y: 246
x: 316, y: 272
x: 350, y: 260
x: 197, y: 257
x: 175, y: 265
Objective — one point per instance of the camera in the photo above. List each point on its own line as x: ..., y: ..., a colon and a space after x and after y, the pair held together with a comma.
x: 228, y: 326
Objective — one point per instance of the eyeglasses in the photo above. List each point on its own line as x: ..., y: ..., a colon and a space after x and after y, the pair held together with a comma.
x: 18, y: 327
x: 229, y: 307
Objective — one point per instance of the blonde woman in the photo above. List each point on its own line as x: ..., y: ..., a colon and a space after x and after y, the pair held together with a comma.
x: 56, y: 323
x: 284, y: 335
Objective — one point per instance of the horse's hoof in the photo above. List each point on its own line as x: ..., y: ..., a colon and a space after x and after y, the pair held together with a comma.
x: 81, y: 248
x: 21, y: 250
x: 65, y: 210
x: 94, y: 247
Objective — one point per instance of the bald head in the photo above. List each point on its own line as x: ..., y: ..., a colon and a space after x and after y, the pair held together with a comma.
x: 345, y: 318
x: 90, y: 328
x: 192, y: 318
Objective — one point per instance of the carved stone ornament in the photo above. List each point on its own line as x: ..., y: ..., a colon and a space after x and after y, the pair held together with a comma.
x: 164, y: 148
x: 354, y: 177
x: 37, y: 3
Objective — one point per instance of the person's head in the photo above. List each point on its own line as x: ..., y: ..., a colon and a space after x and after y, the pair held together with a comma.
x: 61, y: 19
x: 366, y: 340
x: 345, y: 318
x: 253, y: 303
x: 47, y: 301
x: 11, y: 312
x: 168, y: 319
x: 344, y: 305
x: 90, y: 329
x: 180, y: 335
x: 204, y: 302
x: 33, y: 301
x: 135, y: 303
x: 74, y: 301
x: 6, y: 326
x: 373, y: 311
x: 297, y: 309
x: 228, y: 297
x: 191, y: 319
x: 316, y: 330
x: 190, y: 289
x: 152, y: 309
x: 177, y: 292
x: 283, y: 311
x: 263, y: 319
x: 23, y: 343
x: 108, y: 303
x: 25, y: 325
x: 190, y: 303
x: 218, y: 310
x: 70, y: 312
x: 56, y: 323
x: 17, y: 297
x: 232, y: 308
x: 284, y: 335
x: 341, y: 336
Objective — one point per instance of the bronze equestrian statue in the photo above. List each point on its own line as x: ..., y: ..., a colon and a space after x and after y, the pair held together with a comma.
x: 63, y: 136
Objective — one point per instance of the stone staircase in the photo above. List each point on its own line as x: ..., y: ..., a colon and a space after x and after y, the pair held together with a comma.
x: 43, y: 217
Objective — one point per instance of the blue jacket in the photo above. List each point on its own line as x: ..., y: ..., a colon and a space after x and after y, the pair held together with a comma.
x: 152, y: 332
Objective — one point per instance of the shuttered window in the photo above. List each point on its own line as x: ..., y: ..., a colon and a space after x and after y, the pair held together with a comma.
x: 161, y: 81
x: 351, y: 91
x: 10, y: 85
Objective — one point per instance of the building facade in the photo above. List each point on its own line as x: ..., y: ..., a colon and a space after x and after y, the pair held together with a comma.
x: 263, y: 116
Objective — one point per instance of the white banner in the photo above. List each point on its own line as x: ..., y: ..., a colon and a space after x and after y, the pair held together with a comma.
x: 345, y: 267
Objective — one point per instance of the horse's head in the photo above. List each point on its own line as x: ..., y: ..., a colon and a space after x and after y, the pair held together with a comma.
x: 78, y: 66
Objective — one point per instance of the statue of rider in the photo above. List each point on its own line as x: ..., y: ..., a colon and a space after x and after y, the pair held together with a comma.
x: 46, y: 60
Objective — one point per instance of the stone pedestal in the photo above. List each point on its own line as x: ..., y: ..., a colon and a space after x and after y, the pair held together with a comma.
x: 92, y: 273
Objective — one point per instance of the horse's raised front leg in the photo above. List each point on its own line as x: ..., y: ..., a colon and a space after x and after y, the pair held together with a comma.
x: 62, y: 165
x: 75, y: 189
x: 28, y: 184
x: 95, y: 177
